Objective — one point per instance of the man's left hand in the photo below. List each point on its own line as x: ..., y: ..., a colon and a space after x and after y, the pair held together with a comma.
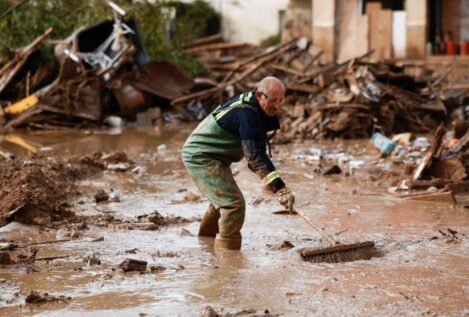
x: 286, y: 198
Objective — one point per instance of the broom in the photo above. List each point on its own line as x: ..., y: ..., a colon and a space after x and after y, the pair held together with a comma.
x: 336, y: 252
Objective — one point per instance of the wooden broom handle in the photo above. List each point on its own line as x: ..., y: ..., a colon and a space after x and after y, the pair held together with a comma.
x: 321, y: 231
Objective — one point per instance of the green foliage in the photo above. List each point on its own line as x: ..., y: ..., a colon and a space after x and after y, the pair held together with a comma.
x: 271, y: 41
x: 30, y: 20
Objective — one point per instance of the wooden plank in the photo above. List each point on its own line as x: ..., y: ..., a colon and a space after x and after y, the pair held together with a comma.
x: 446, y: 197
x: 427, y: 160
x: 424, y: 184
x: 250, y: 68
x: 10, y: 69
x: 217, y: 46
x: 463, y: 143
x: 303, y: 88
x: 285, y: 69
x: 205, y: 40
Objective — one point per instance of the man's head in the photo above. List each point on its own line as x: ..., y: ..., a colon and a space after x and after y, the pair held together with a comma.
x: 270, y: 94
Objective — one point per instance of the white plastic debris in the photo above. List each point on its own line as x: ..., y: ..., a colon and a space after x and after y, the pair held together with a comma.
x: 161, y: 149
x: 114, y: 121
x: 421, y: 143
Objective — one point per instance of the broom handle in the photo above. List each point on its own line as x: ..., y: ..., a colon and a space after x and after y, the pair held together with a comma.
x: 321, y: 231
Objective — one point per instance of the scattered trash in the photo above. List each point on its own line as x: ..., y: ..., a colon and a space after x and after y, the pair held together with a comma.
x: 161, y: 149
x: 384, y: 144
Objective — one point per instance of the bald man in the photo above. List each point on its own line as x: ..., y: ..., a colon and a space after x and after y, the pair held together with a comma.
x: 236, y: 129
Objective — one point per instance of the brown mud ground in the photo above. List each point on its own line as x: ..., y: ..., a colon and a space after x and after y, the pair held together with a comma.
x: 421, y: 271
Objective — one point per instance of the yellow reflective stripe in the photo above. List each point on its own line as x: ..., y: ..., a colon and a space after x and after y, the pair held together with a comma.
x: 247, y: 96
x: 223, y: 112
x: 270, y: 177
x: 243, y: 98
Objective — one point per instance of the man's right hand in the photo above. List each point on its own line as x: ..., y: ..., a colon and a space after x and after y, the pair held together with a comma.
x: 286, y: 198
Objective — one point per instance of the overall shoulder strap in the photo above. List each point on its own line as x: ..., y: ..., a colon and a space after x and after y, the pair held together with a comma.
x: 242, y: 101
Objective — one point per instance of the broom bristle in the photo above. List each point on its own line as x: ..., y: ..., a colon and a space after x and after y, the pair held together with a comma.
x: 341, y: 253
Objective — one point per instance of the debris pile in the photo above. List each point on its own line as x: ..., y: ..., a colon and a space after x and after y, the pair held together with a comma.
x: 111, y: 74
x: 104, y: 69
x: 444, y: 169
x: 351, y: 99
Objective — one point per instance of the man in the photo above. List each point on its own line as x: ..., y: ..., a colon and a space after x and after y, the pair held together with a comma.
x: 235, y: 129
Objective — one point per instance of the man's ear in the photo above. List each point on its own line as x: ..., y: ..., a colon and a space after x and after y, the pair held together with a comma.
x: 258, y: 95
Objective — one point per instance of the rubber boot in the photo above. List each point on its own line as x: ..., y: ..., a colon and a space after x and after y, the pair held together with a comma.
x: 228, y: 242
x: 209, y: 224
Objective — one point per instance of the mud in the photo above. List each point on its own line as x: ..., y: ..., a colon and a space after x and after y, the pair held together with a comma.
x: 36, y: 190
x: 421, y: 271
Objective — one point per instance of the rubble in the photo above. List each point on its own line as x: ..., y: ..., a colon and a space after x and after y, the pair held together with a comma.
x: 356, y: 98
x: 133, y: 265
x: 156, y: 220
x: 35, y: 297
x: 352, y: 99
x: 104, y: 71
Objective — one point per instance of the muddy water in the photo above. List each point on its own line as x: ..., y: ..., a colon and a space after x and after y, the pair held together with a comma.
x: 419, y: 272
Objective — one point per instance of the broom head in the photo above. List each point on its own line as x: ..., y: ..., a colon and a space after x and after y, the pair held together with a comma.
x: 340, y: 252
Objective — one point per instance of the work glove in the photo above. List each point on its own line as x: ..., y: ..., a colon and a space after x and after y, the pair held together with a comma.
x: 286, y: 198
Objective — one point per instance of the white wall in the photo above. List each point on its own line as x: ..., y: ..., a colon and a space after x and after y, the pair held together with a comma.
x: 249, y: 21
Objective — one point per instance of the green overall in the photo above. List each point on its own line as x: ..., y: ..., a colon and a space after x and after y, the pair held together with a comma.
x: 207, y: 155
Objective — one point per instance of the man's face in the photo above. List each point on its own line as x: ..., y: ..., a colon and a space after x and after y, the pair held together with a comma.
x: 271, y: 101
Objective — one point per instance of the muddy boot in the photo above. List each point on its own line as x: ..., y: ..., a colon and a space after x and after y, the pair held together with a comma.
x: 209, y: 224
x: 228, y: 242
